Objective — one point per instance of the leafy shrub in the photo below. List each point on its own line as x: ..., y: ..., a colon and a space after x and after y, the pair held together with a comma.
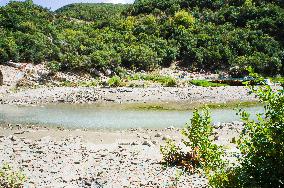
x: 183, y: 18
x: 202, y: 152
x: 262, y: 142
x: 104, y: 59
x: 139, y: 56
x: 199, y: 138
x: 54, y: 66
x: 10, y: 178
x: 261, y: 145
x: 168, y: 81
x: 114, y: 81
x: 164, y: 80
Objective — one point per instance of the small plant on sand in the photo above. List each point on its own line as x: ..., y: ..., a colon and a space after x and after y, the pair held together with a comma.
x: 10, y: 178
x: 114, y: 81
x: 200, y: 152
x: 166, y: 81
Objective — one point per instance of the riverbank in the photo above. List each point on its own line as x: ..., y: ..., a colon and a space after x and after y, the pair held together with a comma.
x: 46, y: 89
x: 98, y: 158
x: 192, y: 95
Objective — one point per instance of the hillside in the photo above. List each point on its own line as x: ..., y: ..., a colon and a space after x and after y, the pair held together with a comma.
x: 200, y: 35
x: 93, y: 12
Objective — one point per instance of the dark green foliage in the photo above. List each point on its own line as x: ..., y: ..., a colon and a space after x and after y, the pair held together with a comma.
x: 262, y: 143
x: 26, y: 32
x: 140, y: 56
x: 104, y: 59
x: 225, y: 33
x: 54, y: 66
x: 212, y: 35
x: 101, y: 12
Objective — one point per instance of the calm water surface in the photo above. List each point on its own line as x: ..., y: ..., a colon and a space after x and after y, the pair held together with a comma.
x: 93, y: 116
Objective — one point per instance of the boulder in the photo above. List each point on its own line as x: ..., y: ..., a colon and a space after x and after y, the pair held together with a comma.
x: 13, y: 64
x: 108, y: 72
x: 95, y: 72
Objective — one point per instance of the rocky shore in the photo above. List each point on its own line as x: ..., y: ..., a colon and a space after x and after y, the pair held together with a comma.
x: 81, y: 158
x: 42, y: 94
x: 189, y: 95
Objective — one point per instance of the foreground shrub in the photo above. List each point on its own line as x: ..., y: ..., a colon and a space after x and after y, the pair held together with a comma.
x: 261, y: 146
x: 10, y: 178
x: 200, y: 151
x: 262, y: 142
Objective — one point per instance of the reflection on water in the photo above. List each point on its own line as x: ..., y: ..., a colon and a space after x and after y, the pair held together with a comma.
x: 92, y: 116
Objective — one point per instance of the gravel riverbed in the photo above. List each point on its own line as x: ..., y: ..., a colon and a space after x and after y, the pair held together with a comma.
x: 189, y: 95
x: 98, y: 158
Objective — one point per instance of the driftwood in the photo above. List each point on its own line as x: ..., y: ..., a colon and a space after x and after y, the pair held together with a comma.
x: 1, y: 78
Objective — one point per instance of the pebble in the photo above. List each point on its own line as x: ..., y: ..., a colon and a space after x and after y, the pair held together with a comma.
x: 63, y: 164
x: 147, y: 143
x: 70, y: 162
x: 158, y: 135
x: 166, y: 137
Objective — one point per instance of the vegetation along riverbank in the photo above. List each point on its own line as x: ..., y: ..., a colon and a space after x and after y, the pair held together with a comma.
x: 155, y: 56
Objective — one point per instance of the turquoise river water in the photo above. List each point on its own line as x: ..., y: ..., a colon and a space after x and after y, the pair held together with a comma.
x: 98, y: 117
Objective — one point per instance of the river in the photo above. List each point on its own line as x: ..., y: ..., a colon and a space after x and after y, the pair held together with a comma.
x: 107, y: 117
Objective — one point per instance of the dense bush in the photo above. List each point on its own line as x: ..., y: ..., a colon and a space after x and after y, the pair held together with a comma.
x: 201, y: 35
x: 261, y: 146
x: 262, y: 143
x: 101, y: 12
x: 139, y: 56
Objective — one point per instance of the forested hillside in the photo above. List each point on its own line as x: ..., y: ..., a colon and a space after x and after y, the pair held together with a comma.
x: 211, y: 35
x: 93, y: 12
